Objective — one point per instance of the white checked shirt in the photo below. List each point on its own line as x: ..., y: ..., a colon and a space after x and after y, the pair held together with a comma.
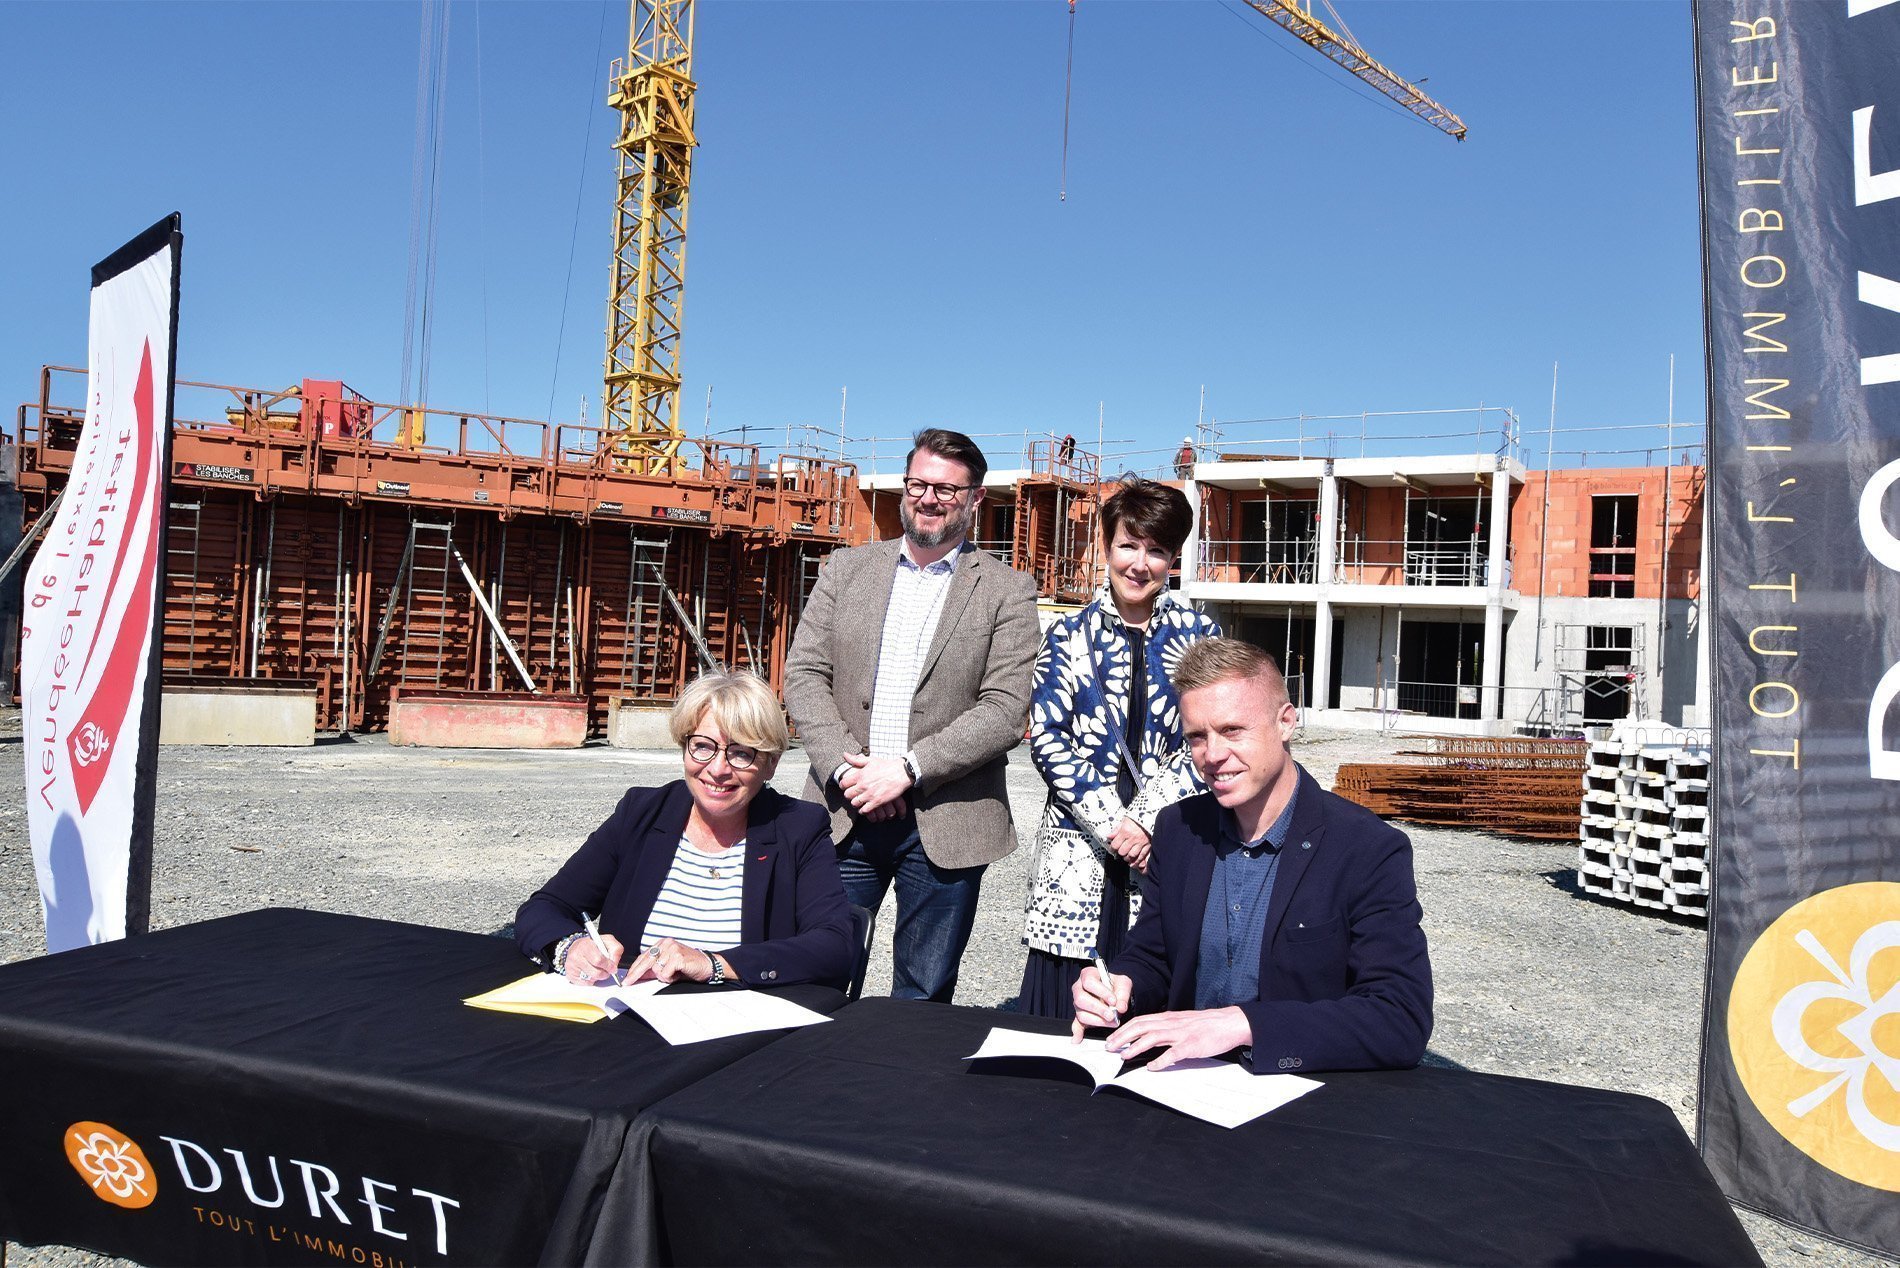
x: 910, y: 622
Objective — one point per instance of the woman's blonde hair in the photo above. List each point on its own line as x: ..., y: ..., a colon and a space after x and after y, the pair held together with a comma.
x: 740, y: 702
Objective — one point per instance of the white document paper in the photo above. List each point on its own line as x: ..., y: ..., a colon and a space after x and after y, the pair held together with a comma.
x: 1213, y: 1091
x: 716, y: 1014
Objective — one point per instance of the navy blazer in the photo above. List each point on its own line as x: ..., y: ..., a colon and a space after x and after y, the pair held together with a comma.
x: 794, y: 925
x: 1345, y: 982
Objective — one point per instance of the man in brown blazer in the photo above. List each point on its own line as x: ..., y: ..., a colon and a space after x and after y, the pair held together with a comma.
x: 909, y: 681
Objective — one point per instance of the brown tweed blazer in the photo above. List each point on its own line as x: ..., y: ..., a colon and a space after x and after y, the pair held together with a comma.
x: 971, y: 705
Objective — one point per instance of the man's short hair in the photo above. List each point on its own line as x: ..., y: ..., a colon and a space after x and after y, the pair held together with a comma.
x: 953, y: 445
x: 1215, y: 660
x: 1147, y: 508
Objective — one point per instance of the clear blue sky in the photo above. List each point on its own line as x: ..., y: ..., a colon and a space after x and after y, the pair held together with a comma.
x: 875, y: 205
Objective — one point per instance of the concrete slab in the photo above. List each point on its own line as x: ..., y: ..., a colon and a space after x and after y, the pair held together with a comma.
x: 250, y: 715
x: 486, y: 719
x: 638, y: 724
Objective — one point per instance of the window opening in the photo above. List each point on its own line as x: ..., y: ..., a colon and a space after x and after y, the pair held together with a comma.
x: 1446, y: 541
x: 1613, y: 546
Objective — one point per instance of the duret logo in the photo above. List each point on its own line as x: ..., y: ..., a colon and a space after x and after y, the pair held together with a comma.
x: 112, y: 1165
x: 90, y: 744
x: 117, y: 1171
x: 323, y: 1192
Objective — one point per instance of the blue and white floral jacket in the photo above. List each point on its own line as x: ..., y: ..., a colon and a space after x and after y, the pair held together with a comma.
x: 1076, y: 753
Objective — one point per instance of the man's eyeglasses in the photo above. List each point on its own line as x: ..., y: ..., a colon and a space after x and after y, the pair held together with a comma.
x: 915, y: 489
x: 703, y: 748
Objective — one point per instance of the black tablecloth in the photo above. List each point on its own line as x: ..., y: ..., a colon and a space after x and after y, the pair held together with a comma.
x: 868, y: 1140
x: 307, y: 1052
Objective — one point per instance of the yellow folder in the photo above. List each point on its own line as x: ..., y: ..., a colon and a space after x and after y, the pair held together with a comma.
x: 551, y: 995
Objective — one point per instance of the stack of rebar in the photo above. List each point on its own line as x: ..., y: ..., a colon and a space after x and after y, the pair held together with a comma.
x: 1517, y: 786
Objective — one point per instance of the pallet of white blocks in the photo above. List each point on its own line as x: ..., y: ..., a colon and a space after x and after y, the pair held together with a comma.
x: 1645, y: 812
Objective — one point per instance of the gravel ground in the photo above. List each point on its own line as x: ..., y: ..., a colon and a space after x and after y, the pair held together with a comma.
x: 1532, y: 977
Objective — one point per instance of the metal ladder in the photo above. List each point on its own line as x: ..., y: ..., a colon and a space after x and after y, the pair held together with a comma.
x: 431, y: 564
x: 181, y: 561
x: 646, y: 590
x: 429, y: 551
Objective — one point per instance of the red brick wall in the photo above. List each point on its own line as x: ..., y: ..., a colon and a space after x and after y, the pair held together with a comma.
x: 1566, y: 566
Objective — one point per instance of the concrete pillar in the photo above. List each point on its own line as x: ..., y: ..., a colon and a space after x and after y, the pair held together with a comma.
x: 1698, y: 714
x: 1323, y: 607
x: 1489, y: 708
x: 1191, y: 548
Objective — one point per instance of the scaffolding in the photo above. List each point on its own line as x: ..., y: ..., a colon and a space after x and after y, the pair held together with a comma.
x: 1600, y: 674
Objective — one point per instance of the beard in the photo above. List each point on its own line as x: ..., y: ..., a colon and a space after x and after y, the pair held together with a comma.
x: 955, y: 526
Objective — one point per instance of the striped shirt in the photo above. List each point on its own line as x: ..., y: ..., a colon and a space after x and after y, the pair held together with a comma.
x: 699, y: 903
x: 910, y: 622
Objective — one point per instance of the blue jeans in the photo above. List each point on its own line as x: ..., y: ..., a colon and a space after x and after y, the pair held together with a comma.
x: 936, y: 906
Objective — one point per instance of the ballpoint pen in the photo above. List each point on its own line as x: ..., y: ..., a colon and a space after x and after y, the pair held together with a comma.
x: 593, y: 936
x: 1101, y: 966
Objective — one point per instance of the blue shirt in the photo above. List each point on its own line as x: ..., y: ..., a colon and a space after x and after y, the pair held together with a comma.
x: 1235, y: 923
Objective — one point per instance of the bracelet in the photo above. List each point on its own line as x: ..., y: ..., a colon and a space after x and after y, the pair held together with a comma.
x: 561, y: 948
x: 718, y: 977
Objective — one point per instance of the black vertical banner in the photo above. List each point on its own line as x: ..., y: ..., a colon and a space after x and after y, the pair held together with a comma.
x: 1799, y: 122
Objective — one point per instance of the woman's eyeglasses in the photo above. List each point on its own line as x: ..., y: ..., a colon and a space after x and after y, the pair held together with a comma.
x: 703, y: 748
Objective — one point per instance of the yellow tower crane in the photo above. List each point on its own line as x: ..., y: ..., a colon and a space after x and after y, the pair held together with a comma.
x: 653, y: 89
x: 1345, y: 50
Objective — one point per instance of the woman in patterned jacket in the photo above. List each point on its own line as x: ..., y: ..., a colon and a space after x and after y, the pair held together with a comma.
x: 1105, y: 732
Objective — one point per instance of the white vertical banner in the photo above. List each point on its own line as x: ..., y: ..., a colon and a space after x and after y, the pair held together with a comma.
x: 91, y: 613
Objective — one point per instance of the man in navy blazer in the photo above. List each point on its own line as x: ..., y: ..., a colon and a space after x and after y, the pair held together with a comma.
x: 1287, y: 918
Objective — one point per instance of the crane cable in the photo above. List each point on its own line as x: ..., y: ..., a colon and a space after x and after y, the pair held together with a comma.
x: 425, y: 188
x: 1068, y: 82
x: 580, y: 191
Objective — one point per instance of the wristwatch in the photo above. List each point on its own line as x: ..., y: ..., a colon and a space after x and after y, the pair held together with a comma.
x: 910, y: 768
x: 718, y: 977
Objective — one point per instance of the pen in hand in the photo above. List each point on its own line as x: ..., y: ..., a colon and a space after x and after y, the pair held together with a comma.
x: 1108, y: 984
x: 593, y: 936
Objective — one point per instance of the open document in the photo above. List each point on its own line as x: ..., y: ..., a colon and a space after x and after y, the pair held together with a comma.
x: 701, y: 1015
x: 1211, y: 1090
x: 682, y: 1018
x: 551, y: 995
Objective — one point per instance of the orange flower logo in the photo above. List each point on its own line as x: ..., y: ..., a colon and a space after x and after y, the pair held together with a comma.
x: 112, y: 1165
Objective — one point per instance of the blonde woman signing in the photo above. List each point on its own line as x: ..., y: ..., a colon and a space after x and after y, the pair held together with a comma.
x: 716, y: 877
x: 1105, y: 733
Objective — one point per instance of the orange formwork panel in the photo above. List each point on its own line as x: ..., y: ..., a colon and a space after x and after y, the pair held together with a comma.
x: 343, y: 554
x: 1056, y: 526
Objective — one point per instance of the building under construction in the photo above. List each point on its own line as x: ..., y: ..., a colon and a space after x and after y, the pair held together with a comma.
x: 1457, y: 591
x: 362, y: 551
x: 320, y: 538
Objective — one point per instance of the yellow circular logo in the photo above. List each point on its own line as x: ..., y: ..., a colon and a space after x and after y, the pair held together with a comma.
x: 112, y: 1164
x: 1814, y: 1027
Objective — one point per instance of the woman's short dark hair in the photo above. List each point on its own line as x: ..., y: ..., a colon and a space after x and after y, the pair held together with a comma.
x: 951, y: 445
x: 1148, y: 509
